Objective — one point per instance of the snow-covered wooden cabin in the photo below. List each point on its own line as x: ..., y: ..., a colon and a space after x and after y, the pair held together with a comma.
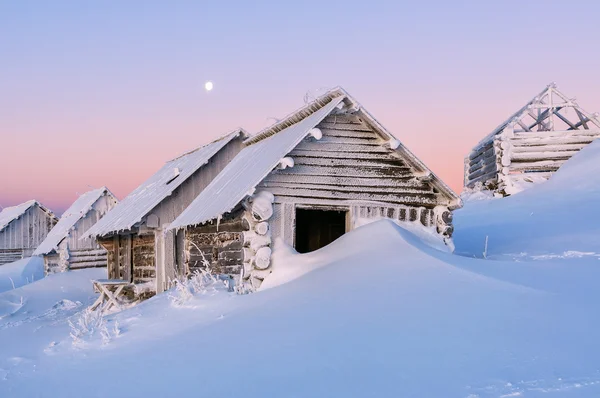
x: 308, y: 180
x: 530, y: 145
x: 140, y: 248
x: 63, y: 249
x: 22, y: 229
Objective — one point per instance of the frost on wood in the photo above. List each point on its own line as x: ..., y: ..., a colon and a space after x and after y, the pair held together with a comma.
x: 531, y: 145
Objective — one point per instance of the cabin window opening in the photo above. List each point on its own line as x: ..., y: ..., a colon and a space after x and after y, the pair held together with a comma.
x: 317, y: 228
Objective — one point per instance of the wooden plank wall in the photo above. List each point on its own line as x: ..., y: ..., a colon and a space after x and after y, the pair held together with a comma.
x: 349, y: 163
x: 28, y: 231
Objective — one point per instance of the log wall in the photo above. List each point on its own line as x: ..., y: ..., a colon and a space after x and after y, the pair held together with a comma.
x: 222, y: 247
x: 509, y: 157
x: 26, y: 233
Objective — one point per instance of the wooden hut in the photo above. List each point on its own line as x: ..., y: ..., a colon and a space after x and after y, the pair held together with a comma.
x: 308, y: 179
x: 530, y: 145
x: 63, y: 249
x: 140, y: 248
x: 22, y: 229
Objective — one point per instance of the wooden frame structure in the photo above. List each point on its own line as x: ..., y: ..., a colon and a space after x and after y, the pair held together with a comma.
x: 531, y: 144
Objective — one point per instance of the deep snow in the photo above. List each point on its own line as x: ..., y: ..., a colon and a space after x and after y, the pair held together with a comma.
x: 382, y: 314
x: 22, y: 272
x: 557, y: 219
x: 378, y: 313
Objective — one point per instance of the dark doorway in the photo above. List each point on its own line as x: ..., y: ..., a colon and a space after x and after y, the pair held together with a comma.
x: 318, y: 228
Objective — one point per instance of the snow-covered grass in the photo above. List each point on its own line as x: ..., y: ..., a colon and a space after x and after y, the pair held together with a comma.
x: 22, y: 272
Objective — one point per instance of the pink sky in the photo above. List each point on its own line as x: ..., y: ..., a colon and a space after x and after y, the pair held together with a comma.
x: 92, y: 97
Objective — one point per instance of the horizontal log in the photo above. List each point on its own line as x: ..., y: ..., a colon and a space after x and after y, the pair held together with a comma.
x: 316, y: 153
x: 346, y: 171
x: 378, y: 163
x: 492, y: 160
x: 364, y: 135
x: 337, y: 147
x: 343, y: 126
x: 557, y: 134
x: 275, y: 178
x: 349, y: 141
x: 89, y: 264
x: 348, y: 119
x: 551, y: 141
x: 546, y: 165
x: 478, y: 156
x: 535, y: 156
x: 81, y: 259
x: 422, y: 198
x: 481, y: 149
x: 86, y: 252
x: 492, y: 175
x: 352, y: 188
x: 483, y: 170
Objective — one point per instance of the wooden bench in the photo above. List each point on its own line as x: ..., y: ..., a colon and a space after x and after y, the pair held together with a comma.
x: 110, y: 293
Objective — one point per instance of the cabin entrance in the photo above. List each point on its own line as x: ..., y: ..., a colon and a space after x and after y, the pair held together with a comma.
x: 318, y: 228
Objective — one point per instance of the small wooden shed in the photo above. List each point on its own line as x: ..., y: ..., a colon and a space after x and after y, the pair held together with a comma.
x: 530, y: 145
x: 141, y: 249
x: 308, y: 179
x: 22, y: 229
x: 63, y: 249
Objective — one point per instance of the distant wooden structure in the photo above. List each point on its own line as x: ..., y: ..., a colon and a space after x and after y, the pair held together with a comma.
x: 141, y: 249
x: 531, y: 144
x: 64, y: 249
x: 22, y: 229
x: 308, y: 179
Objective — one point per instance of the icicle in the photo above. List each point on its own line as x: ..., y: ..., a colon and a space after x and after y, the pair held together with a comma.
x: 219, y: 221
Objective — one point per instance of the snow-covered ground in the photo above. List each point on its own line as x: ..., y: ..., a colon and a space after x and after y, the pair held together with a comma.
x: 22, y: 272
x: 379, y: 313
x: 554, y: 220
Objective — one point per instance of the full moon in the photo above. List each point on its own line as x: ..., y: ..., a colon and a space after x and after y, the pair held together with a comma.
x: 208, y: 86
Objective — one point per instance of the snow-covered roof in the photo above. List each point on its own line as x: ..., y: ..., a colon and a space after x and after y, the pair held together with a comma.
x: 265, y: 150
x: 9, y: 214
x: 147, y: 196
x: 541, y: 101
x: 78, y: 210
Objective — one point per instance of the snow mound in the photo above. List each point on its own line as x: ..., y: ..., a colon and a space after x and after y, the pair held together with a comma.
x: 550, y: 219
x: 22, y: 272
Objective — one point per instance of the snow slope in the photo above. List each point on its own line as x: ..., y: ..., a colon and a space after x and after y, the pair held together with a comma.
x: 22, y: 272
x: 382, y: 315
x: 554, y: 220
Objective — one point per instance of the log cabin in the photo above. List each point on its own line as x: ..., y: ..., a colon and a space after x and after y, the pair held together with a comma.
x: 22, y: 229
x: 134, y: 233
x: 531, y: 145
x: 63, y: 249
x: 307, y: 180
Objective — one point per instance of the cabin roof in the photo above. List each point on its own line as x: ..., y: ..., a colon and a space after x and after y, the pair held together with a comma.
x: 10, y: 214
x: 159, y: 186
x: 79, y: 209
x: 265, y: 150
x: 543, y: 101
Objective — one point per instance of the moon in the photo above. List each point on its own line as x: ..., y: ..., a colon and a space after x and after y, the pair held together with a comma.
x: 208, y: 86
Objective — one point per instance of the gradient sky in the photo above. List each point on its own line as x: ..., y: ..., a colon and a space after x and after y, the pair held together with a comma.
x: 103, y: 93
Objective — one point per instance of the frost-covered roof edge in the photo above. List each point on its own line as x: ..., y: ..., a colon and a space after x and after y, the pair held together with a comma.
x: 29, y: 204
x: 106, y: 226
x: 520, y: 113
x: 415, y: 162
x: 72, y: 216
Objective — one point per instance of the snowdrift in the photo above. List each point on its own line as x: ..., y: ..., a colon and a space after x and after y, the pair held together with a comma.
x: 557, y: 219
x: 387, y: 315
x: 22, y: 272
